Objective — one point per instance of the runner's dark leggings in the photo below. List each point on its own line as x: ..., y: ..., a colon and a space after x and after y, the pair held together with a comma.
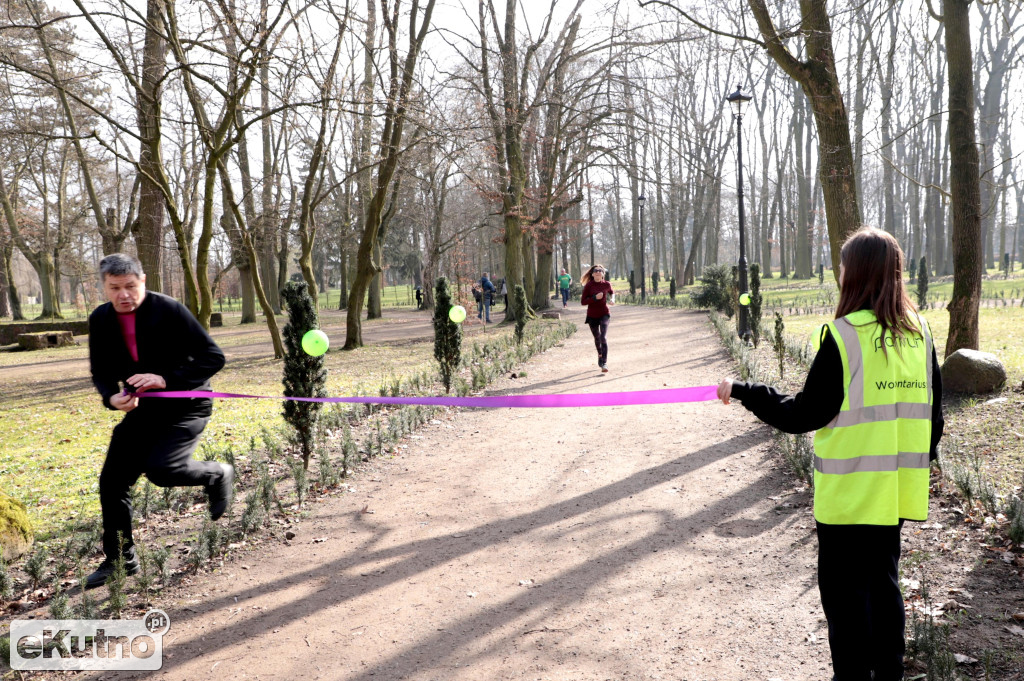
x: 599, y: 327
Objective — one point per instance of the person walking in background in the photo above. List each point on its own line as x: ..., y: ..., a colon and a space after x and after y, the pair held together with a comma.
x: 874, y: 395
x: 597, y: 296
x: 148, y: 341
x: 564, y: 282
x: 487, y: 297
x: 478, y: 297
x: 504, y: 292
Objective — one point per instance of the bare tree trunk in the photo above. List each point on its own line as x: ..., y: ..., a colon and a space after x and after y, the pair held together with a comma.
x: 996, y: 57
x: 934, y: 213
x: 268, y: 312
x: 1017, y: 241
x: 440, y: 190
x: 964, y: 188
x: 542, y: 282
x: 311, y: 187
x: 375, y: 295
x: 49, y: 283
x: 240, y: 258
x: 803, y: 183
x: 41, y: 259
x: 5, y: 307
x: 913, y: 200
x: 765, y: 215
x: 342, y: 279
x: 1004, y: 192
x: 529, y: 266
x: 247, y: 291
x: 111, y: 237
x: 885, y: 68
x: 696, y: 240
x: 149, y: 229
x: 390, y: 148
x: 817, y: 76
x: 7, y: 255
x: 861, y: 90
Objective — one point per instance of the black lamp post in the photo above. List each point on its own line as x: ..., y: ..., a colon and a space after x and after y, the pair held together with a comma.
x: 737, y: 100
x: 643, y: 286
x: 591, y: 237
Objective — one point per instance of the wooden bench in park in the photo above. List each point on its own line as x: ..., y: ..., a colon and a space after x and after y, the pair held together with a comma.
x: 45, y: 339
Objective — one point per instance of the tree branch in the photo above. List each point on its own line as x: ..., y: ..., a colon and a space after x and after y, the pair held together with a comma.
x: 943, y: 192
x: 703, y: 26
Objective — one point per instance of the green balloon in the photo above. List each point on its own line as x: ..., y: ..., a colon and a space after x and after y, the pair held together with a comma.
x: 457, y: 314
x: 744, y: 299
x: 315, y: 342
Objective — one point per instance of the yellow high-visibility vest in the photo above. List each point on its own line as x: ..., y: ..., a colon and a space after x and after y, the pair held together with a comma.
x: 871, y: 462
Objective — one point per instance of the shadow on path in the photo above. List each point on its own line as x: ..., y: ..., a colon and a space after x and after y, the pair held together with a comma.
x: 418, y: 556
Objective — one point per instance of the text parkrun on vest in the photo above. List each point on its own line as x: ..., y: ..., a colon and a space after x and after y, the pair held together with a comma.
x: 892, y: 385
x: 903, y: 341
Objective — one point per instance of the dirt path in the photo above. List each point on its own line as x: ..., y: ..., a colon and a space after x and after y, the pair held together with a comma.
x: 566, y: 545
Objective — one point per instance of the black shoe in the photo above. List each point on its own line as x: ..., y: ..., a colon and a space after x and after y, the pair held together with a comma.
x: 106, y: 568
x: 220, y: 492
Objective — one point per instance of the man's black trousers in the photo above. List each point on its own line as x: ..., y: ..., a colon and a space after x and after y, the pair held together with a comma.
x: 158, y: 444
x: 858, y: 578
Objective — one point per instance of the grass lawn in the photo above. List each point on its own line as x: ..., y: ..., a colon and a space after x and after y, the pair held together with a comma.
x: 1001, y: 331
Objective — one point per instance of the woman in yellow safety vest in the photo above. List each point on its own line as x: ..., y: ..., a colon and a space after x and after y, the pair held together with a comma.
x: 874, y: 396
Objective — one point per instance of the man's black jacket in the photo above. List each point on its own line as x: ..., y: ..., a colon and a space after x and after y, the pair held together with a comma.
x: 171, y: 344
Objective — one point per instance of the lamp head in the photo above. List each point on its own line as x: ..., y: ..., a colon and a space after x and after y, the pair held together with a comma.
x: 640, y: 200
x: 738, y: 101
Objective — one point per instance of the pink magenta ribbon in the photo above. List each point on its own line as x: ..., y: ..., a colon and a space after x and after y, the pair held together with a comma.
x: 665, y: 396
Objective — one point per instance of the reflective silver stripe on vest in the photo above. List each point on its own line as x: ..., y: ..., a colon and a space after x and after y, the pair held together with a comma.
x: 855, y: 359
x: 883, y: 412
x: 871, y: 464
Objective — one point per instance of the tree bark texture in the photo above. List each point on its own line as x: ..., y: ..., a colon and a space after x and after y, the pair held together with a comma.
x: 964, y: 186
x: 7, y: 255
x: 5, y: 306
x: 148, y: 230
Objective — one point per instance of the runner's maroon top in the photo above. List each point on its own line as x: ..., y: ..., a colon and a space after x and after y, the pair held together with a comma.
x: 596, y: 308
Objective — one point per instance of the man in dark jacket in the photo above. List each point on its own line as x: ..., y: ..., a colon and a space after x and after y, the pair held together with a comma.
x: 141, y: 341
x: 487, y: 297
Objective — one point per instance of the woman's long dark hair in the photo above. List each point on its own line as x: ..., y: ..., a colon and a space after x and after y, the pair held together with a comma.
x: 589, y: 274
x: 873, y: 280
